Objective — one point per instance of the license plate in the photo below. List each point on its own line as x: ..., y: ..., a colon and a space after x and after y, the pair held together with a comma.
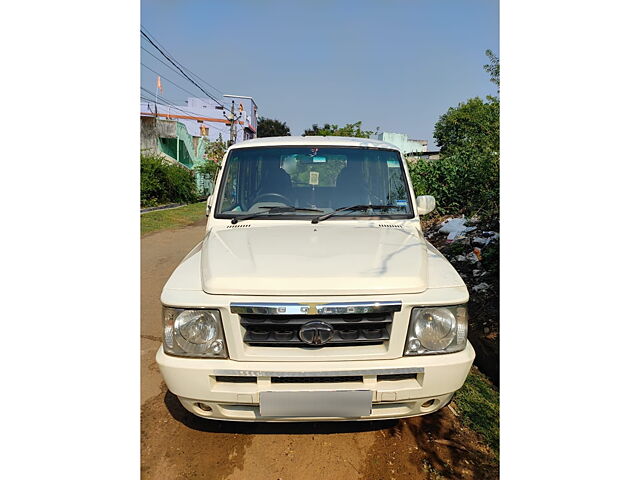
x: 348, y: 404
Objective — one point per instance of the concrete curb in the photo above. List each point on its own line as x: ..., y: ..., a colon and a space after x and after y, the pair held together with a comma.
x: 168, y: 207
x: 163, y: 207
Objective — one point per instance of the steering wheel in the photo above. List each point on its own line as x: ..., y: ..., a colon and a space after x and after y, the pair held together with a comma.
x: 280, y: 198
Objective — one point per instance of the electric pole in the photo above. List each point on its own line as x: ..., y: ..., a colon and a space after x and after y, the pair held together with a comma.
x: 236, y: 119
x: 232, y: 120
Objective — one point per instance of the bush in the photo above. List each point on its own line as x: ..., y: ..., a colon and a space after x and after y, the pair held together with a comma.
x: 162, y: 182
x: 460, y: 185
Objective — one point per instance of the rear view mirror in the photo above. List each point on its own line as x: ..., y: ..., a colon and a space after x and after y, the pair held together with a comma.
x: 425, y: 204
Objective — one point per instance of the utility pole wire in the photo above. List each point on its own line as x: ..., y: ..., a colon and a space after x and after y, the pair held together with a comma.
x: 165, y: 78
x: 173, y: 70
x: 163, y: 101
x: 180, y: 69
x: 232, y: 119
x: 179, y: 63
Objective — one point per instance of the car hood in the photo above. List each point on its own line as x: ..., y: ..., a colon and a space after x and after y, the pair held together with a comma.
x: 306, y: 259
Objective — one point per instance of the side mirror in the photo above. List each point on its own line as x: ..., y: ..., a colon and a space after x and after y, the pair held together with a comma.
x: 425, y: 204
x: 209, y: 205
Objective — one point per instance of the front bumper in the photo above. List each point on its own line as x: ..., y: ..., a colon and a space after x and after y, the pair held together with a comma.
x: 230, y: 390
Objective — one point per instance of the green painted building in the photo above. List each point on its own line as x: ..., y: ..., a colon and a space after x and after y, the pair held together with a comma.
x: 171, y: 140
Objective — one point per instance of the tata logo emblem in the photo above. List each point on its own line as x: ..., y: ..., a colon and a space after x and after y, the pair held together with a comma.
x: 316, y: 332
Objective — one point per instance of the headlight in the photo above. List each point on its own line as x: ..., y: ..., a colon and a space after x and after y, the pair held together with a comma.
x: 193, y: 333
x: 437, y: 330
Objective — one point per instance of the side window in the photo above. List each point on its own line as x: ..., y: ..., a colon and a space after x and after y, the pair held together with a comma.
x: 398, y: 194
x: 230, y: 187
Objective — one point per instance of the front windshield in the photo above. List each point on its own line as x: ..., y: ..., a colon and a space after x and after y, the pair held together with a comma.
x: 325, y: 179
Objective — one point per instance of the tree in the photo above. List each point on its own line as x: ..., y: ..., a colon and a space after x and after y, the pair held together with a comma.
x: 493, y: 68
x: 349, y: 130
x: 213, y: 153
x: 269, y: 127
x: 466, y: 178
x: 470, y: 129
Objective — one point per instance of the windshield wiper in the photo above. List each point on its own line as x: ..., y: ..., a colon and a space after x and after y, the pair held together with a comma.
x: 272, y: 209
x: 354, y: 208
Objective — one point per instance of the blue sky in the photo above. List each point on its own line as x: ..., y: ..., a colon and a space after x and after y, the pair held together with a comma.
x: 395, y: 65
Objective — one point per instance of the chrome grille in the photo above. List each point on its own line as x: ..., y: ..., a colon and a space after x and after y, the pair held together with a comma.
x: 349, y: 323
x: 272, y: 331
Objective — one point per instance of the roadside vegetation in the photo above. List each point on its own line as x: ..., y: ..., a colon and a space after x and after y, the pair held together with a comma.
x: 172, y: 218
x: 465, y: 182
x: 270, y: 127
x: 163, y: 182
x: 478, y: 404
x: 466, y: 177
x: 349, y: 130
x: 213, y: 153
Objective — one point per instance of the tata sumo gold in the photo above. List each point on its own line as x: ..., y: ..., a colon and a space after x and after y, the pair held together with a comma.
x: 314, y: 294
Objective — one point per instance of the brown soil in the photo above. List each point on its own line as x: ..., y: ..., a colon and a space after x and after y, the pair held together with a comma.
x: 177, y: 445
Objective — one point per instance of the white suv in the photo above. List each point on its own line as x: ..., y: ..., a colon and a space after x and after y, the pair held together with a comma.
x: 314, y: 294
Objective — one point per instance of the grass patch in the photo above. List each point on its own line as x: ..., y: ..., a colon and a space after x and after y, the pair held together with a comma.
x: 478, y: 403
x: 173, y: 218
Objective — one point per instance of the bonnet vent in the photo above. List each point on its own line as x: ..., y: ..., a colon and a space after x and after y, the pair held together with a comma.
x: 243, y: 225
x: 389, y: 225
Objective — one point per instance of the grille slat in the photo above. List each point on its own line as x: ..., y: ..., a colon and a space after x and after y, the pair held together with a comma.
x: 279, y: 330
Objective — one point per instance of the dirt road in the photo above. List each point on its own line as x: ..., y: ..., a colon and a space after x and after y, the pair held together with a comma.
x: 178, y: 445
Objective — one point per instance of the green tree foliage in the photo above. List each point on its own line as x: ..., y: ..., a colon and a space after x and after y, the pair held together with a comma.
x: 460, y: 185
x: 162, y: 182
x: 493, y: 68
x: 213, y: 153
x: 349, y: 130
x: 466, y: 177
x: 269, y: 127
x: 472, y: 128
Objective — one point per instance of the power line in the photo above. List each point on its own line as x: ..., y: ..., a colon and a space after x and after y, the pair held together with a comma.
x: 181, y: 64
x: 151, y: 101
x: 204, y: 81
x: 184, y: 90
x: 174, y: 63
x: 173, y: 70
x: 168, y: 104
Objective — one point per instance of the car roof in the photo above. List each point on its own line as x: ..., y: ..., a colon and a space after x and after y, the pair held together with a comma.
x: 314, y: 141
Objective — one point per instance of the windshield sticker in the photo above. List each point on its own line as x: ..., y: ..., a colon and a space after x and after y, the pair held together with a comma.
x: 318, y: 159
x: 393, y: 164
x: 314, y: 178
x: 402, y: 203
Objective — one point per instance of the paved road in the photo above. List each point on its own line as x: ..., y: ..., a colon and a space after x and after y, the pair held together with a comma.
x: 177, y: 445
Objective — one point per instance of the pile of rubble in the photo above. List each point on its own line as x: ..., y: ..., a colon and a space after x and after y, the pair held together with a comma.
x: 466, y: 254
x: 472, y: 247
